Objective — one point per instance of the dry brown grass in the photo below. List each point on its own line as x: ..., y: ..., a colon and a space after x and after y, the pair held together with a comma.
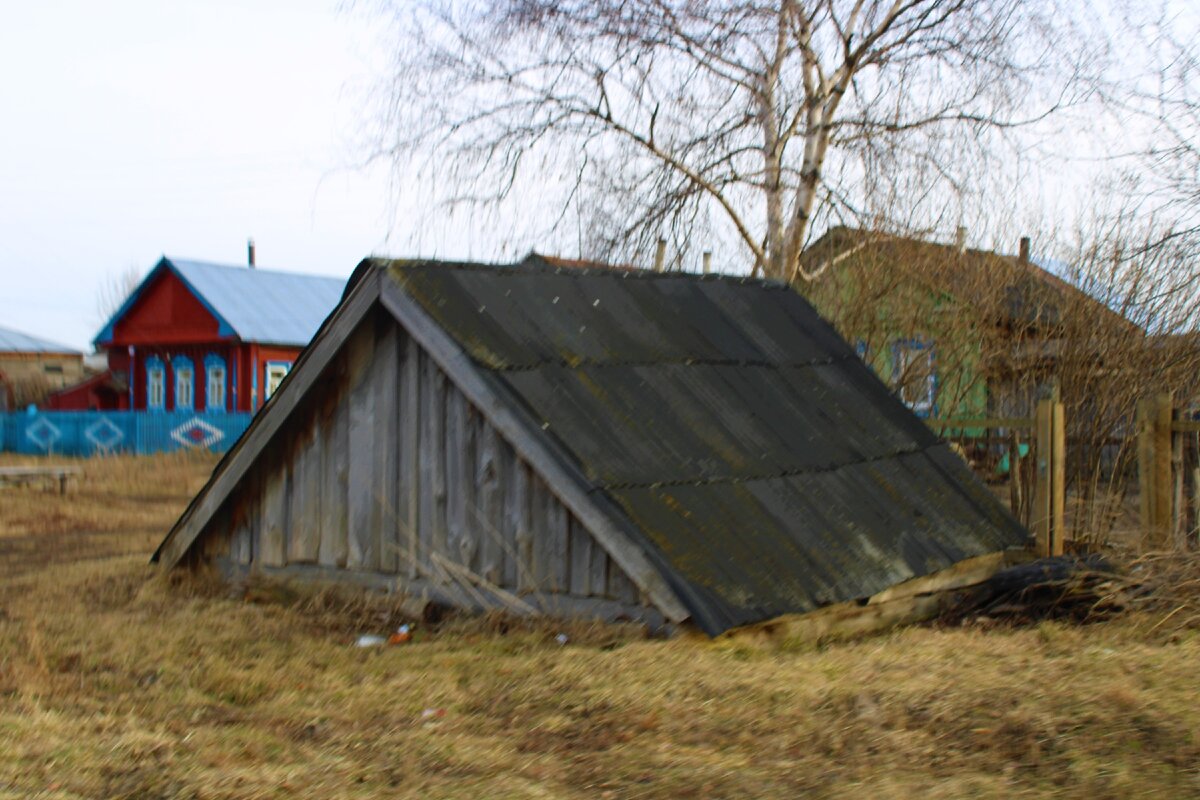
x: 115, y: 682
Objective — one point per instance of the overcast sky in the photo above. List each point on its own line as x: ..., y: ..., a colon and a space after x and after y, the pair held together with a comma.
x: 134, y: 128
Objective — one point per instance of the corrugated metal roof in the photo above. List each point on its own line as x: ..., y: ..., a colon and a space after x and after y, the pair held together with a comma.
x: 749, y: 449
x: 16, y: 342
x: 256, y: 305
x: 264, y: 305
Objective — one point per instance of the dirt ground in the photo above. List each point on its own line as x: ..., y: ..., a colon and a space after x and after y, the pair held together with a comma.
x: 119, y: 682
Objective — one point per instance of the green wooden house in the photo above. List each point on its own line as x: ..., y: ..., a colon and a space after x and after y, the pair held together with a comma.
x: 956, y: 332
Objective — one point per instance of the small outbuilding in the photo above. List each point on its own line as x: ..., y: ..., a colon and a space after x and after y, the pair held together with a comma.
x: 32, y: 367
x: 576, y: 441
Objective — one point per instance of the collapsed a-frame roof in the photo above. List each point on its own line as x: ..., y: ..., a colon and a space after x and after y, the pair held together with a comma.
x: 715, y: 425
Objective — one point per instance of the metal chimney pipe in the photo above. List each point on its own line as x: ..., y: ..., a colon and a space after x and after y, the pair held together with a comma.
x: 960, y: 239
x: 707, y: 261
x: 1024, y: 251
x: 250, y: 252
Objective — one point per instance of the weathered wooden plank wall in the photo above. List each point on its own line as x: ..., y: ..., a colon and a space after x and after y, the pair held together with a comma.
x: 390, y: 470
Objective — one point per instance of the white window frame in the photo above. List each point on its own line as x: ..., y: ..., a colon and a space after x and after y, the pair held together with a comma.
x: 906, y: 353
x: 156, y: 385
x: 273, y: 375
x: 216, y: 384
x: 185, y: 384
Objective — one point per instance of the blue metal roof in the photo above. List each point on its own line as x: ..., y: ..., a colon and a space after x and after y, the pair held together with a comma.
x: 256, y: 305
x: 16, y: 342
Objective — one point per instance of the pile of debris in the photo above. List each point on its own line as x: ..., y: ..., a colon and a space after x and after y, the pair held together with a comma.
x: 1076, y: 588
x: 1008, y: 588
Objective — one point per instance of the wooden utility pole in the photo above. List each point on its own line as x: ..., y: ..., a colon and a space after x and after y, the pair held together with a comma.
x: 1049, y: 498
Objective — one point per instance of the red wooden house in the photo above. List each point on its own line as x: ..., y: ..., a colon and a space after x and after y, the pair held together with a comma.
x: 204, y: 337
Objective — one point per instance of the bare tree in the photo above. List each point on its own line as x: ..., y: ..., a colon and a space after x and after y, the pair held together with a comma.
x: 114, y: 290
x: 764, y: 114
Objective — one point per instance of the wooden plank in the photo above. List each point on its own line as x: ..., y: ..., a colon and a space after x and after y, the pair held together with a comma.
x: 489, y: 506
x: 519, y: 510
x: 532, y: 445
x: 1178, y: 505
x: 363, y: 549
x: 243, y: 532
x: 621, y: 588
x: 335, y: 478
x: 436, y: 453
x: 410, y: 432
x: 1185, y: 425
x: 219, y: 542
x: 432, y: 465
x: 1043, y: 490
x: 462, y: 533
x: 304, y: 534
x: 600, y: 565
x: 1145, y: 458
x: 587, y: 608
x: 245, y: 517
x: 306, y: 373
x: 295, y: 494
x: 558, y: 557
x: 1162, y: 469
x: 1058, y: 462
x: 426, y: 439
x: 1019, y: 423
x: 510, y: 470
x: 274, y: 516
x: 581, y: 560
x: 543, y: 521
x: 385, y: 379
x: 1194, y: 530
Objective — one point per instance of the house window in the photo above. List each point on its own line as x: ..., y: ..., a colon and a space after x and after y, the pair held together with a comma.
x: 914, y: 376
x: 156, y: 382
x: 185, y: 383
x: 53, y: 369
x: 276, y: 372
x: 214, y: 373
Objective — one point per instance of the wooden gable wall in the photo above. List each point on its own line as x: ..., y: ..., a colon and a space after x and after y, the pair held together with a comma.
x: 387, y: 475
x: 166, y: 313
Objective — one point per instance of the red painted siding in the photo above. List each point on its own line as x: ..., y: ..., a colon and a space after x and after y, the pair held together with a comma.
x: 166, y: 313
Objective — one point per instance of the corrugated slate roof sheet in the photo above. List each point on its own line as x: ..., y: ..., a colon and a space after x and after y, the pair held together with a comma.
x: 256, y: 305
x: 16, y: 342
x: 749, y: 449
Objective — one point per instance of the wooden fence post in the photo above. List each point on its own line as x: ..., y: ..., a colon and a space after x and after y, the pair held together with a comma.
x: 1154, y: 468
x: 1058, y: 477
x: 1049, y: 497
x: 1178, y: 504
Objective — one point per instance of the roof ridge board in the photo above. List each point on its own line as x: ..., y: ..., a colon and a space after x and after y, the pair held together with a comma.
x: 665, y: 362
x: 521, y: 268
x: 255, y: 270
x: 786, y: 473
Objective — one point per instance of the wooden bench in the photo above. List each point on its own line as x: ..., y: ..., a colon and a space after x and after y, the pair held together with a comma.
x: 23, y: 476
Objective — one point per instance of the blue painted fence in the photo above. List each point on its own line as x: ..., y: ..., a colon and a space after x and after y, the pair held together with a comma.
x: 87, y: 433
